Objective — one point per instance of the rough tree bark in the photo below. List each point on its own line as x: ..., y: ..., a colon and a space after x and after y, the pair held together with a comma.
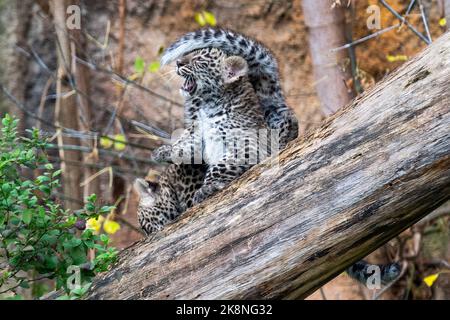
x: 73, y: 109
x: 66, y: 110
x: 86, y: 121
x: 326, y: 28
x: 373, y: 169
x: 17, y: 24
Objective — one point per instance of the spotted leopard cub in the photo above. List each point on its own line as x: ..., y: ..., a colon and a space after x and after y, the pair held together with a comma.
x: 163, y: 201
x: 225, y: 131
x: 262, y: 73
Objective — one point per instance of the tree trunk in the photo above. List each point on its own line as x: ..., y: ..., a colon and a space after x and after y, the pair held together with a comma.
x: 86, y: 121
x: 73, y: 109
x: 281, y: 231
x: 17, y: 24
x: 331, y: 69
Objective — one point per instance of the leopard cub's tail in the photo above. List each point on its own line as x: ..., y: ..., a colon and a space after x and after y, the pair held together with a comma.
x: 364, y: 272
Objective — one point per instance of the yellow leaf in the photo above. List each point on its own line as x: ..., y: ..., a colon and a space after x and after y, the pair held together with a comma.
x: 443, y: 22
x: 429, y: 280
x: 210, y: 18
x: 200, y: 19
x: 391, y: 58
x: 134, y: 76
x: 111, y: 226
x: 105, y: 142
x: 119, y: 144
x: 95, y: 224
x: 118, y: 85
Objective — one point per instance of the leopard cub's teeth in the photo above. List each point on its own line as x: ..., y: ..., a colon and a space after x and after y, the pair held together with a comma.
x: 189, y: 85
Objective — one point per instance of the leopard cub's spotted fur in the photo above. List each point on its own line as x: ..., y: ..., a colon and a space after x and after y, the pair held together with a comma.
x: 163, y: 201
x: 208, y: 83
x: 225, y: 126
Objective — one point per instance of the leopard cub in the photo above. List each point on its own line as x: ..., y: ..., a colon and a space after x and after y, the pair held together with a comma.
x: 163, y: 201
x: 226, y: 121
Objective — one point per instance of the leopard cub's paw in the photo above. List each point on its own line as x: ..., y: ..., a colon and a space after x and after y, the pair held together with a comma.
x: 203, y: 193
x: 199, y: 197
x: 162, y: 154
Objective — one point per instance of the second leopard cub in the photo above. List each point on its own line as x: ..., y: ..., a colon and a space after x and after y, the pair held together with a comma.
x: 224, y: 130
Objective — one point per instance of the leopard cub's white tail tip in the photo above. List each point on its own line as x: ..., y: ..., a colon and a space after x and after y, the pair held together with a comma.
x: 177, y: 52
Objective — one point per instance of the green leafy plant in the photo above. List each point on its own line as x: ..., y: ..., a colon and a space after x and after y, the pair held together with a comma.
x: 38, y: 238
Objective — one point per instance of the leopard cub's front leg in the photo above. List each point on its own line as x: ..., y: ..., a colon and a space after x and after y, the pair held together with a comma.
x: 187, y: 149
x: 205, y: 192
x: 217, y: 177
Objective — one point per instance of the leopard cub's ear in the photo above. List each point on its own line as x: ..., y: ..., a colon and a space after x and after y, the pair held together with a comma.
x: 145, y: 187
x: 234, y: 68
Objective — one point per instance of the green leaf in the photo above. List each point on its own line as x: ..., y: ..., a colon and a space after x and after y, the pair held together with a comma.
x: 45, y: 189
x: 27, y: 215
x: 92, y: 198
x: 78, y: 254
x: 104, y: 238
x: 81, y: 291
x: 6, y: 188
x: 51, y: 262
x: 106, y: 209
x: 30, y: 154
x: 71, y: 243
x: 56, y: 174
x: 50, y: 238
x: 154, y: 66
x: 90, y: 207
x: 48, y: 166
x: 24, y: 284
x: 87, y: 235
x: 139, y: 65
x: 89, y: 243
x: 42, y: 179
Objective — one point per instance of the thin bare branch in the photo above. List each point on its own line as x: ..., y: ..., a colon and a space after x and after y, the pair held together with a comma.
x: 118, y: 77
x: 67, y: 131
x: 425, y: 21
x: 370, y: 36
x: 403, y: 20
x: 103, y: 151
x: 39, y: 61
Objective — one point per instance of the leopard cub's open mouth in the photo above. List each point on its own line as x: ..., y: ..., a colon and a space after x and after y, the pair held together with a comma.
x: 189, y: 85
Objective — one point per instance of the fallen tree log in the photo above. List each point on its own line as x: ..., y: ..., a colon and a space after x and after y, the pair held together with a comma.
x: 281, y: 231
